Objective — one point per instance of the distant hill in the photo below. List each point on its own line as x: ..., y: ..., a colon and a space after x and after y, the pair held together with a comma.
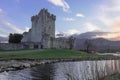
x: 90, y: 35
x: 98, y: 44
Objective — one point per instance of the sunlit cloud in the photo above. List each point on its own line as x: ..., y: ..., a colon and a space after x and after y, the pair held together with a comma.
x: 110, y: 36
x: 80, y: 15
x: 91, y: 27
x: 109, y: 17
x: 27, y: 29
x: 61, y: 3
x: 116, y: 26
x: 72, y: 31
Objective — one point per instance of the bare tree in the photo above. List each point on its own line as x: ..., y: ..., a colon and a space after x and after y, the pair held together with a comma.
x: 71, y: 42
x: 89, y: 47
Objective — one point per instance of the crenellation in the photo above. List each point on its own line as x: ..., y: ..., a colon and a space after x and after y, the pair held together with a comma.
x: 53, y: 17
x: 32, y: 18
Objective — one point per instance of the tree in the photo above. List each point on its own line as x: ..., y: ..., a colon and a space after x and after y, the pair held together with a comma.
x: 88, y: 45
x: 71, y: 42
x: 15, y: 38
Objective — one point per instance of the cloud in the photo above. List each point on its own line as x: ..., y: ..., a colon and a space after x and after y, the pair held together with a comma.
x: 27, y: 29
x: 91, y: 27
x: 3, y: 35
x: 6, y: 26
x: 80, y: 15
x: 11, y: 26
x: 69, y: 19
x: 61, y: 3
x: 110, y: 15
x: 110, y: 35
x: 116, y: 26
x: 67, y: 33
x: 2, y: 30
x: 1, y: 11
x: 72, y: 31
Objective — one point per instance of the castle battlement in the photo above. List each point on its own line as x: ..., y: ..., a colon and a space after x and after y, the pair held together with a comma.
x: 43, y: 13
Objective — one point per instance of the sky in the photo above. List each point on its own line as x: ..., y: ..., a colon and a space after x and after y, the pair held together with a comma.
x: 72, y: 16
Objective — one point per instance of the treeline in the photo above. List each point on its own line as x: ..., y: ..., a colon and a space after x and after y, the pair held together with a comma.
x: 15, y: 38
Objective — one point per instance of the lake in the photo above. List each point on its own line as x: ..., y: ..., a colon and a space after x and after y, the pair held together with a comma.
x: 79, y: 70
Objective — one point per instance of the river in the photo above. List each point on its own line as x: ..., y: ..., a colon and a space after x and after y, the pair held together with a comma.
x: 79, y: 70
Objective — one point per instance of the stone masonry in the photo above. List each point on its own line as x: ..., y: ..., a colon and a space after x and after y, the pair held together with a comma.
x: 42, y: 33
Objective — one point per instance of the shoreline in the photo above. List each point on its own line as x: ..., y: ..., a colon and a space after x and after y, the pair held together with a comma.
x: 13, y: 65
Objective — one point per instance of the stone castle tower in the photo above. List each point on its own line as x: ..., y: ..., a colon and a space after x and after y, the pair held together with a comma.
x: 43, y: 29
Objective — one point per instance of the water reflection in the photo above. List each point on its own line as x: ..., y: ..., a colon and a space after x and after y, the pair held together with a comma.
x: 86, y: 70
x: 16, y: 75
x: 43, y: 72
x: 83, y: 70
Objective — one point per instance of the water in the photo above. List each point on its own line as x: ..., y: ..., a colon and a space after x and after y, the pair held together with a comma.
x: 82, y: 70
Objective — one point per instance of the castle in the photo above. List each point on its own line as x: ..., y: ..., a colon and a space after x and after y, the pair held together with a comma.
x: 42, y: 33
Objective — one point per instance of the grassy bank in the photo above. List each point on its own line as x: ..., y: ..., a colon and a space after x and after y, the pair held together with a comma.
x: 112, y: 77
x: 50, y: 54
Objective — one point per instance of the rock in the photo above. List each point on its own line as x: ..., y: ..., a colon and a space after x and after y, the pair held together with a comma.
x: 26, y: 65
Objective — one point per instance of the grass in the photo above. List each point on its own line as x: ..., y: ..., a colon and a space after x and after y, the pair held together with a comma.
x: 50, y: 54
x: 112, y: 77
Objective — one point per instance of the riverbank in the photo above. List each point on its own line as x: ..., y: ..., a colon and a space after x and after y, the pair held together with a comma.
x: 13, y: 65
x: 113, y: 77
x: 20, y: 59
x: 52, y: 54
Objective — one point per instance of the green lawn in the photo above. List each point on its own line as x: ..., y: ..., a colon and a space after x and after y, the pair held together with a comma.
x: 49, y: 54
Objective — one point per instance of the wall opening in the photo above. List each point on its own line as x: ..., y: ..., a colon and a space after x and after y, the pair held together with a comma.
x: 41, y: 46
x: 36, y: 46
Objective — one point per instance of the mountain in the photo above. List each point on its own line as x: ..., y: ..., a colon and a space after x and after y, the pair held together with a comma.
x: 98, y: 44
x: 90, y: 35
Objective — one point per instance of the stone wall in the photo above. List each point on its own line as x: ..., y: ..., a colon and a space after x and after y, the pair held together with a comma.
x: 54, y: 43
x: 7, y: 46
x: 60, y: 43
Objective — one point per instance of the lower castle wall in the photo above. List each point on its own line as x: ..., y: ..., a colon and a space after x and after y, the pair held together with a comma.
x: 10, y: 46
x: 60, y: 43
x: 55, y: 43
